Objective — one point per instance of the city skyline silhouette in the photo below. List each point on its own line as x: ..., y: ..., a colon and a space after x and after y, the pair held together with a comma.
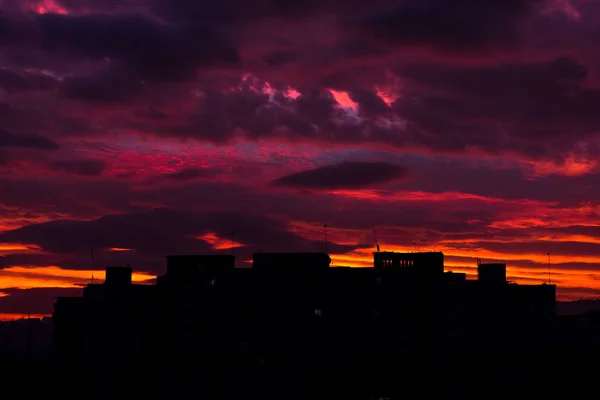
x: 281, y: 324
x: 460, y: 138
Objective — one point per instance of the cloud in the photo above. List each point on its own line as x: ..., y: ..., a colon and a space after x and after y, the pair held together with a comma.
x: 236, y: 11
x: 456, y: 27
x: 138, y: 43
x: 107, y: 85
x: 161, y: 232
x: 190, y: 174
x: 54, y: 277
x: 80, y: 167
x: 24, y: 141
x: 348, y: 175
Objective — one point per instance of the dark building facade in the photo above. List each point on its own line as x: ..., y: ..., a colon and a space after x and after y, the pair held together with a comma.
x: 294, y: 310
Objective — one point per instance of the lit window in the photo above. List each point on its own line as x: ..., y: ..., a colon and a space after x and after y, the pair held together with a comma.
x: 213, y: 282
x: 318, y: 312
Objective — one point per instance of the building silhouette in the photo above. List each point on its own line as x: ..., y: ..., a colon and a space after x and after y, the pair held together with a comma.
x: 293, y: 310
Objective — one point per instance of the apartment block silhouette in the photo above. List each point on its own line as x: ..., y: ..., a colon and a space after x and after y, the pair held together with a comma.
x: 295, y: 310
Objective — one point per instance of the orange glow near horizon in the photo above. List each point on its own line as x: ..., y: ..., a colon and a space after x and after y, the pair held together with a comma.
x: 16, y: 316
x: 55, y: 277
x: 572, y: 271
x: 565, y: 278
x: 218, y: 243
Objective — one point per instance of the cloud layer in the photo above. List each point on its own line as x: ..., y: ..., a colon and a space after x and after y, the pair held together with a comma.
x: 148, y: 127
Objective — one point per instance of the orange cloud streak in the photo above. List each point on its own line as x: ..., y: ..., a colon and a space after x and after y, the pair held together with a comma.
x: 218, y: 243
x: 55, y: 277
x: 10, y: 247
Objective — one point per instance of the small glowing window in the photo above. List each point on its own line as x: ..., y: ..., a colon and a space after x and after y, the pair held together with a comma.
x: 318, y: 312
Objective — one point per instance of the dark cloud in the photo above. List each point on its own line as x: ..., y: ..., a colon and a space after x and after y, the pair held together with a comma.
x: 453, y: 27
x: 240, y: 11
x: 467, y: 216
x: 485, y: 178
x: 314, y: 116
x: 32, y: 79
x: 190, y: 174
x: 369, y: 103
x: 161, y: 232
x: 81, y: 197
x: 151, y: 114
x: 11, y: 81
x: 347, y: 175
x: 25, y: 141
x: 80, y: 167
x: 108, y: 85
x: 539, y: 109
x: 532, y: 247
x: 141, y: 44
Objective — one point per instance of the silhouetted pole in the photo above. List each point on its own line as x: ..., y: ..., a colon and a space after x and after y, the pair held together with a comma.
x: 375, y: 237
x: 325, y: 230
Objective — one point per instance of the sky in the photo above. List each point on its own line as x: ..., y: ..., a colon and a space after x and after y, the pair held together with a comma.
x: 134, y: 129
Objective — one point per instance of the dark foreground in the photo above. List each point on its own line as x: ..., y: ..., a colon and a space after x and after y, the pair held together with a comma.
x: 501, y: 374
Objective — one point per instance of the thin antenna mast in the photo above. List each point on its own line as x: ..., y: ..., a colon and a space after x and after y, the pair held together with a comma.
x: 92, y: 256
x: 326, y: 245
x: 375, y: 237
x: 549, y: 281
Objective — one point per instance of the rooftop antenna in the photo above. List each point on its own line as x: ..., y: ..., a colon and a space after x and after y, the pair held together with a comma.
x: 325, y: 231
x: 549, y: 281
x: 92, y: 257
x: 375, y: 237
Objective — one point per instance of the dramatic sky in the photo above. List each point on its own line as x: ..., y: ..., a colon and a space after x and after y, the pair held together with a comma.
x: 142, y: 128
